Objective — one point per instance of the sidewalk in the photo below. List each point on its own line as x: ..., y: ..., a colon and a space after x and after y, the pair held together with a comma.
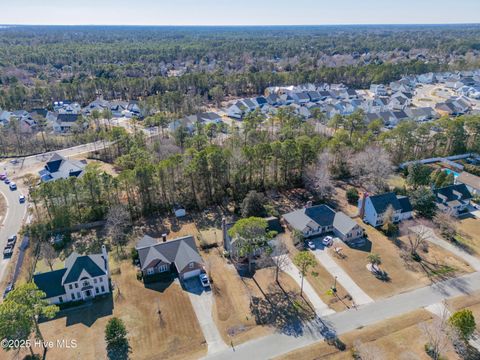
x: 358, y: 295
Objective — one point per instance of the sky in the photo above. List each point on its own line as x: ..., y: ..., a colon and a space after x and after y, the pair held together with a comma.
x: 238, y: 12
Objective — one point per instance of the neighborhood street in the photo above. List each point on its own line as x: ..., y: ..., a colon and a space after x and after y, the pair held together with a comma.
x: 339, y: 323
x: 12, y: 223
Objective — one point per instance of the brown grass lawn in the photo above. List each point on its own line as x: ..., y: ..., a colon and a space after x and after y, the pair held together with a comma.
x: 396, y: 338
x: 403, y: 275
x: 232, y: 303
x: 471, y: 301
x: 469, y: 230
x: 176, y: 335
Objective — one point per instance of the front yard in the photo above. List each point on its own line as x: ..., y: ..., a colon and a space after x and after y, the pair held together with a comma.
x: 173, y: 334
x: 404, y: 274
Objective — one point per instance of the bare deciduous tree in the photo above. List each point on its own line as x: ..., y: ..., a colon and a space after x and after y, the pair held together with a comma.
x: 437, y: 333
x: 371, y: 168
x: 417, y: 239
x: 280, y: 256
x: 447, y: 224
x: 48, y: 255
x: 367, y: 351
x: 118, y: 220
x: 318, y: 178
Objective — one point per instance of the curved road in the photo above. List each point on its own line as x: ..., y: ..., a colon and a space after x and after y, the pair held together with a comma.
x: 11, y: 224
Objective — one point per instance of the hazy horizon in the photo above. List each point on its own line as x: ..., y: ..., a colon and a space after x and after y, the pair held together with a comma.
x: 240, y: 13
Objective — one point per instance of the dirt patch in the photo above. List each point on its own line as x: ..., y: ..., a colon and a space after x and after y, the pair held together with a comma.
x: 396, y: 338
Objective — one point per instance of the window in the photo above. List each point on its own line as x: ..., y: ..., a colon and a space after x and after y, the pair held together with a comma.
x: 150, y: 271
x: 76, y: 285
x: 78, y: 295
x: 191, y: 265
x: 86, y: 283
x: 60, y: 299
x: 73, y: 296
x: 70, y: 286
x: 95, y: 280
x: 96, y: 290
x: 101, y: 279
x: 103, y: 288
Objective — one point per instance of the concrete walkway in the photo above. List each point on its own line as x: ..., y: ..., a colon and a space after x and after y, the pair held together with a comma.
x: 277, y: 344
x: 358, y: 295
x: 202, y: 303
x: 434, y: 239
x: 321, y: 309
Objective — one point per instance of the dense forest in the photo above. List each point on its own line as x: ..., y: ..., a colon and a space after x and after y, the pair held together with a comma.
x: 200, y: 169
x: 181, y: 69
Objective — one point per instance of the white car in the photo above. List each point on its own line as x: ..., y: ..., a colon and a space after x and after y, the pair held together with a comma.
x: 327, y: 241
x: 311, y: 245
x: 204, y: 280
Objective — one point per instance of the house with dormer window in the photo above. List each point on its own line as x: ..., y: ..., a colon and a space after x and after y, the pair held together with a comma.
x: 453, y: 199
x: 84, y: 277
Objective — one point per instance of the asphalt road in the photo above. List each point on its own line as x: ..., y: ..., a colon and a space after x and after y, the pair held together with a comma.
x: 12, y: 223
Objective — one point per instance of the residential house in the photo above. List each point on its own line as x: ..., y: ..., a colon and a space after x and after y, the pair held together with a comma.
x: 273, y: 99
x: 372, y: 208
x: 453, y: 199
x: 118, y: 108
x: 318, y: 220
x: 97, y: 105
x: 83, y: 278
x: 66, y: 123
x: 421, y: 113
x: 59, y: 167
x: 472, y: 182
x: 378, y: 89
x: 260, y: 101
x: 300, y: 97
x: 237, y: 110
x: 179, y: 256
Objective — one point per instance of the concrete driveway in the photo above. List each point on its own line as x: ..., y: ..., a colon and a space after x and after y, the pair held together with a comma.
x: 359, y: 296
x: 202, y: 302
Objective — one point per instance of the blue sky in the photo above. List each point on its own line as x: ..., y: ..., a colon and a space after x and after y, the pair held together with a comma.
x: 238, y: 12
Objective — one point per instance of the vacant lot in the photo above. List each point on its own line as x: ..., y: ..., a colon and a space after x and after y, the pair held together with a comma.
x: 175, y: 334
x: 396, y: 338
x: 404, y: 274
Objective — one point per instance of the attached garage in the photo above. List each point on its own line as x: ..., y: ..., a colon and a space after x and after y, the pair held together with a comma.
x: 189, y: 274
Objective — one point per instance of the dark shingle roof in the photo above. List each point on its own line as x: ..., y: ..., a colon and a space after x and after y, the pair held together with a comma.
x: 82, y: 263
x: 319, y: 215
x: 383, y: 201
x: 448, y: 192
x: 405, y: 203
x: 67, y: 117
x: 50, y: 282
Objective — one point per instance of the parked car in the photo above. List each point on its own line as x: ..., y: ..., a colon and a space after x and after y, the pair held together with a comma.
x: 7, y: 290
x: 12, y: 240
x: 3, y: 176
x: 204, y: 280
x: 21, y: 199
x: 311, y: 245
x: 327, y: 241
x: 8, y: 251
x: 13, y: 186
x: 6, y: 181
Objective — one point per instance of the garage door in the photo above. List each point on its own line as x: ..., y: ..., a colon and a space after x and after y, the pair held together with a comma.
x: 190, y: 274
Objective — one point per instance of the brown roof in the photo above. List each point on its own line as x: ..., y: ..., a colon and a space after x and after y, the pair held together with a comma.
x: 469, y: 179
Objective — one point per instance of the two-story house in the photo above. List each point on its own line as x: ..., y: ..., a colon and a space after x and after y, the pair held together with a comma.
x: 373, y: 208
x: 83, y: 278
x: 453, y: 199
x: 59, y: 167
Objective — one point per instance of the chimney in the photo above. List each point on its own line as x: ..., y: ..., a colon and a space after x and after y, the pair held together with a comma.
x: 105, y: 258
x: 164, y: 237
x: 362, y: 205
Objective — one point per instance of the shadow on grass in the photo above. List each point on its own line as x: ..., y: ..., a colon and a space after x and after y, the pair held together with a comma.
x: 87, y: 313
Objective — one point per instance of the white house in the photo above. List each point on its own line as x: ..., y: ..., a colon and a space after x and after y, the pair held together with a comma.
x: 373, y: 208
x: 83, y: 278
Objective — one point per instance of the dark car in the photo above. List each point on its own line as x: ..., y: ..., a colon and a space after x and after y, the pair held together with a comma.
x: 9, y: 288
x: 12, y: 240
x: 6, y: 181
x: 8, y: 251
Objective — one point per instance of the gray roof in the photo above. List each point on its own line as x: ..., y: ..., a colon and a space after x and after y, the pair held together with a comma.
x: 311, y: 217
x: 453, y: 192
x: 343, y: 223
x: 181, y: 251
x: 58, y: 167
x: 50, y: 282
x: 383, y: 201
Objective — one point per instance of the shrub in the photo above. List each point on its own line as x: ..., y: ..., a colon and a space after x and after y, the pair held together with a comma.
x: 352, y: 195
